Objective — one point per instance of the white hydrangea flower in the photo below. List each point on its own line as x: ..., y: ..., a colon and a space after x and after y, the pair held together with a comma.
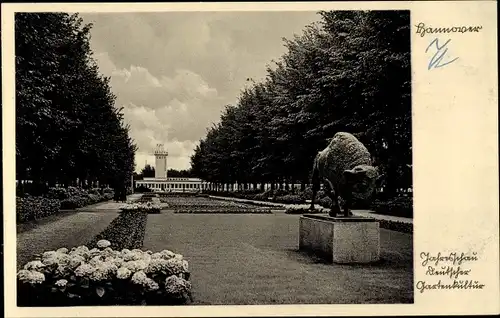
x: 176, y: 286
x: 82, y: 248
x: 82, y: 251
x: 34, y: 265
x: 61, y: 283
x: 174, y: 266
x: 166, y: 254
x: 179, y: 257
x: 146, y: 258
x: 185, y: 266
x: 103, y: 243
x: 123, y: 273
x: 30, y: 276
x: 135, y: 266
x: 125, y: 251
x: 139, y: 278
x: 24, y: 275
x: 37, y: 277
x: 128, y: 256
x: 149, y: 252
x: 75, y: 261
x: 96, y: 260
x: 156, y: 265
x: 118, y: 261
x: 84, y: 270
x: 151, y: 285
x: 95, y: 251
x: 49, y: 254
x: 63, y: 259
x: 63, y: 270
x: 156, y: 256
x: 99, y: 274
x: 108, y: 251
x: 62, y: 250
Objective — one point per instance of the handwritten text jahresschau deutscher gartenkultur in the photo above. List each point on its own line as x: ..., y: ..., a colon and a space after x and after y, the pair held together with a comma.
x: 454, y: 258
x: 423, y: 30
x: 457, y: 284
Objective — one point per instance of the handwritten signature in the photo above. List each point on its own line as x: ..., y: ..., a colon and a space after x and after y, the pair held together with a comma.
x: 437, y: 59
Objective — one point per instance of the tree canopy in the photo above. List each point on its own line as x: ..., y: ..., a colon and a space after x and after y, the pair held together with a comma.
x: 348, y: 72
x: 68, y: 127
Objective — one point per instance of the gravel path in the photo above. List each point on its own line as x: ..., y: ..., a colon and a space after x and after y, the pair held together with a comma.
x: 68, y: 229
x: 72, y: 230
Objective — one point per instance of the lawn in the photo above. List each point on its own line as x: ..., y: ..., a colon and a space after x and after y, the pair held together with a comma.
x: 253, y: 259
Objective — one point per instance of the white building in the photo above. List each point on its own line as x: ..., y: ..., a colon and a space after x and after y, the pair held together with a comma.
x: 161, y: 182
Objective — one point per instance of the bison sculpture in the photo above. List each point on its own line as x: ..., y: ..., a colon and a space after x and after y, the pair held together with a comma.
x: 345, y: 167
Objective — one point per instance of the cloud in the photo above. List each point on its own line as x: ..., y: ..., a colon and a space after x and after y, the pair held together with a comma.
x: 174, y: 72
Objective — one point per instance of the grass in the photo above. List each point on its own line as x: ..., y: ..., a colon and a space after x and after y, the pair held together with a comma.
x: 253, y: 259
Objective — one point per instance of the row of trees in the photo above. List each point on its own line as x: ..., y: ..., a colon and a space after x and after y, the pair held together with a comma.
x: 68, y: 129
x: 348, y: 72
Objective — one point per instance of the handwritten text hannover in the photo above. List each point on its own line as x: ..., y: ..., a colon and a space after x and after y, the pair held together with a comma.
x: 423, y: 30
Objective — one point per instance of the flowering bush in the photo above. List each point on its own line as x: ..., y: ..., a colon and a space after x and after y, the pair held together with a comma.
x: 103, y: 276
x: 32, y: 208
x: 147, y: 207
x: 226, y: 211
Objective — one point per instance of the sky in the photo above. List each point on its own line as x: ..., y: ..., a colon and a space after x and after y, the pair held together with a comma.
x: 173, y: 72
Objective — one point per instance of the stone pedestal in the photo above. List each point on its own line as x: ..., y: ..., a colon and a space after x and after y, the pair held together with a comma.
x: 341, y: 240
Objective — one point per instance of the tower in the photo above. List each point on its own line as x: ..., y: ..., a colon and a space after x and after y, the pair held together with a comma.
x: 160, y: 162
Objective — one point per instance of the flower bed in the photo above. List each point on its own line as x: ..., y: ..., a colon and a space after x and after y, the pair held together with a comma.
x: 126, y: 231
x: 147, y: 207
x: 184, y: 202
x: 103, y: 276
x: 219, y: 211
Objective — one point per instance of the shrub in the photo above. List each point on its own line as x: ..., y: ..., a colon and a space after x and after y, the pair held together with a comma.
x: 325, y: 202
x: 304, y: 211
x: 400, y: 206
x: 290, y: 199
x: 396, y: 226
x: 264, y: 195
x: 103, y: 276
x: 73, y: 203
x: 32, y: 208
x: 57, y: 193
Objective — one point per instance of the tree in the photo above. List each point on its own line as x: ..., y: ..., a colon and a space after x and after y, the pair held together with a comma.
x: 349, y: 72
x: 68, y: 129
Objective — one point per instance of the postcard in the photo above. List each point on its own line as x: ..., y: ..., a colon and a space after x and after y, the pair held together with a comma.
x: 250, y: 159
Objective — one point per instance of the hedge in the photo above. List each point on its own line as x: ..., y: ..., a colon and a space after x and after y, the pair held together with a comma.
x: 32, y: 208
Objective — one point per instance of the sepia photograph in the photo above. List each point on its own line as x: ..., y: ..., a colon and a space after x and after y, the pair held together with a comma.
x: 213, y: 158
x: 250, y: 159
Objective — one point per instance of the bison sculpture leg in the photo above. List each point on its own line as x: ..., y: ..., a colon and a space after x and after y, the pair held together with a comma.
x: 347, y: 198
x: 333, y: 195
x: 315, y: 184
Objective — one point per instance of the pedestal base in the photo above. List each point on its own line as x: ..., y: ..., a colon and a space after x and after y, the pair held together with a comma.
x: 342, y: 239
